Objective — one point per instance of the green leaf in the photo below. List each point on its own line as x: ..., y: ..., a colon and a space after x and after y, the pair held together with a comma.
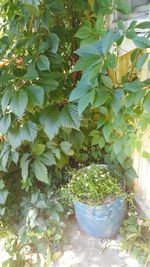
x: 69, y: 117
x: 4, y: 156
x: 107, y: 129
x: 24, y: 165
x: 100, y: 122
x: 54, y: 42
x: 66, y: 148
x: 65, y: 145
x: 117, y: 146
x: 57, y: 153
x: 50, y: 119
x: 47, y: 83
x: 5, y: 124
x: 19, y: 102
x: 133, y: 86
x: 146, y: 103
x: 54, y: 215
x: 32, y: 6
x: 142, y: 42
x: 87, y: 50
x: 41, y: 204
x: 121, y: 25
x: 57, y: 237
x: 48, y: 159
x: 15, y: 156
x: 129, y: 100
x: 117, y: 101
x: 14, y: 138
x: 4, y: 149
x: 34, y: 197
x: 121, y: 156
x: 56, y: 5
x: 6, y: 77
x: 81, y: 89
x: 92, y: 72
x: 84, y: 62
x: 84, y: 33
x: 149, y: 65
x: 3, y: 196
x: 83, y: 103
x: 131, y: 174
x: 29, y: 131
x: 38, y: 149
x: 35, y: 95
x: 40, y: 171
x: 4, y: 159
x: 131, y: 35
x: 143, y: 25
x: 132, y: 25
x: 59, y: 208
x: 111, y: 61
x: 108, y: 41
x: 94, y: 133
x: 103, y: 110
x: 97, y: 139
x: 141, y: 61
x: 2, y: 212
x: 76, y: 138
x: 31, y: 74
x: 107, y: 81
x: 101, y: 142
x: 5, y: 100
x: 43, y: 63
x: 2, y: 185
x: 103, y: 6
x: 122, y: 7
x: 101, y: 97
x: 99, y: 23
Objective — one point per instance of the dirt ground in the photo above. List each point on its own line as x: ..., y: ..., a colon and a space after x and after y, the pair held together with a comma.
x: 82, y: 250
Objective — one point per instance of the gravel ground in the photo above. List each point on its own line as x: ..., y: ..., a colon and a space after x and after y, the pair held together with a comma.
x: 82, y: 250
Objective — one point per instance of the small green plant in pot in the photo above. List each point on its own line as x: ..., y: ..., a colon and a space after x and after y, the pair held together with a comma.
x: 99, y: 200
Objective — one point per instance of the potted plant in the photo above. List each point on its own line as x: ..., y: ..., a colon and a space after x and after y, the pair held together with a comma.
x: 99, y: 200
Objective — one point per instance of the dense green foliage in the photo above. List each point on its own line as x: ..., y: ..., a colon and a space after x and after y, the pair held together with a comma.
x: 43, y: 105
x: 135, y: 232
x: 59, y: 107
x: 95, y: 185
x: 40, y: 231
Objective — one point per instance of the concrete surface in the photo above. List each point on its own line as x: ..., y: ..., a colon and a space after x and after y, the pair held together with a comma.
x: 82, y: 250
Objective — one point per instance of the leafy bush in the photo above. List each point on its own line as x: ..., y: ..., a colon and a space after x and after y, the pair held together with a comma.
x: 43, y: 105
x: 3, y: 197
x: 95, y: 185
x: 136, y: 235
x: 38, y: 236
x: 59, y: 106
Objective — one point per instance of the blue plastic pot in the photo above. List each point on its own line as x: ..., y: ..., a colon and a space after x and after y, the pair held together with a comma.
x: 101, y: 221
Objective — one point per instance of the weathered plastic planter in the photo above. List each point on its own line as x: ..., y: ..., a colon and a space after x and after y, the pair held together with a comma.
x: 101, y: 221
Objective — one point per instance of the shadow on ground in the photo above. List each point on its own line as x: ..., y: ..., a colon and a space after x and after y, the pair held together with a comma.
x: 82, y: 250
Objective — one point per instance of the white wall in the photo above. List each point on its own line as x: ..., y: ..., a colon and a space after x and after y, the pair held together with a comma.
x: 142, y: 167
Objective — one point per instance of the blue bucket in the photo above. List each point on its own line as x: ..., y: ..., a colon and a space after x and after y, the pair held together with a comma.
x: 101, y: 221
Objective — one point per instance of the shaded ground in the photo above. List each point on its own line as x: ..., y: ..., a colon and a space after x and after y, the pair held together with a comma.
x: 85, y: 251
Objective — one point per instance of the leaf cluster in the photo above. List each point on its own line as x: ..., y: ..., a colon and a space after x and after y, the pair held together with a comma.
x: 39, y: 234
x: 135, y: 232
